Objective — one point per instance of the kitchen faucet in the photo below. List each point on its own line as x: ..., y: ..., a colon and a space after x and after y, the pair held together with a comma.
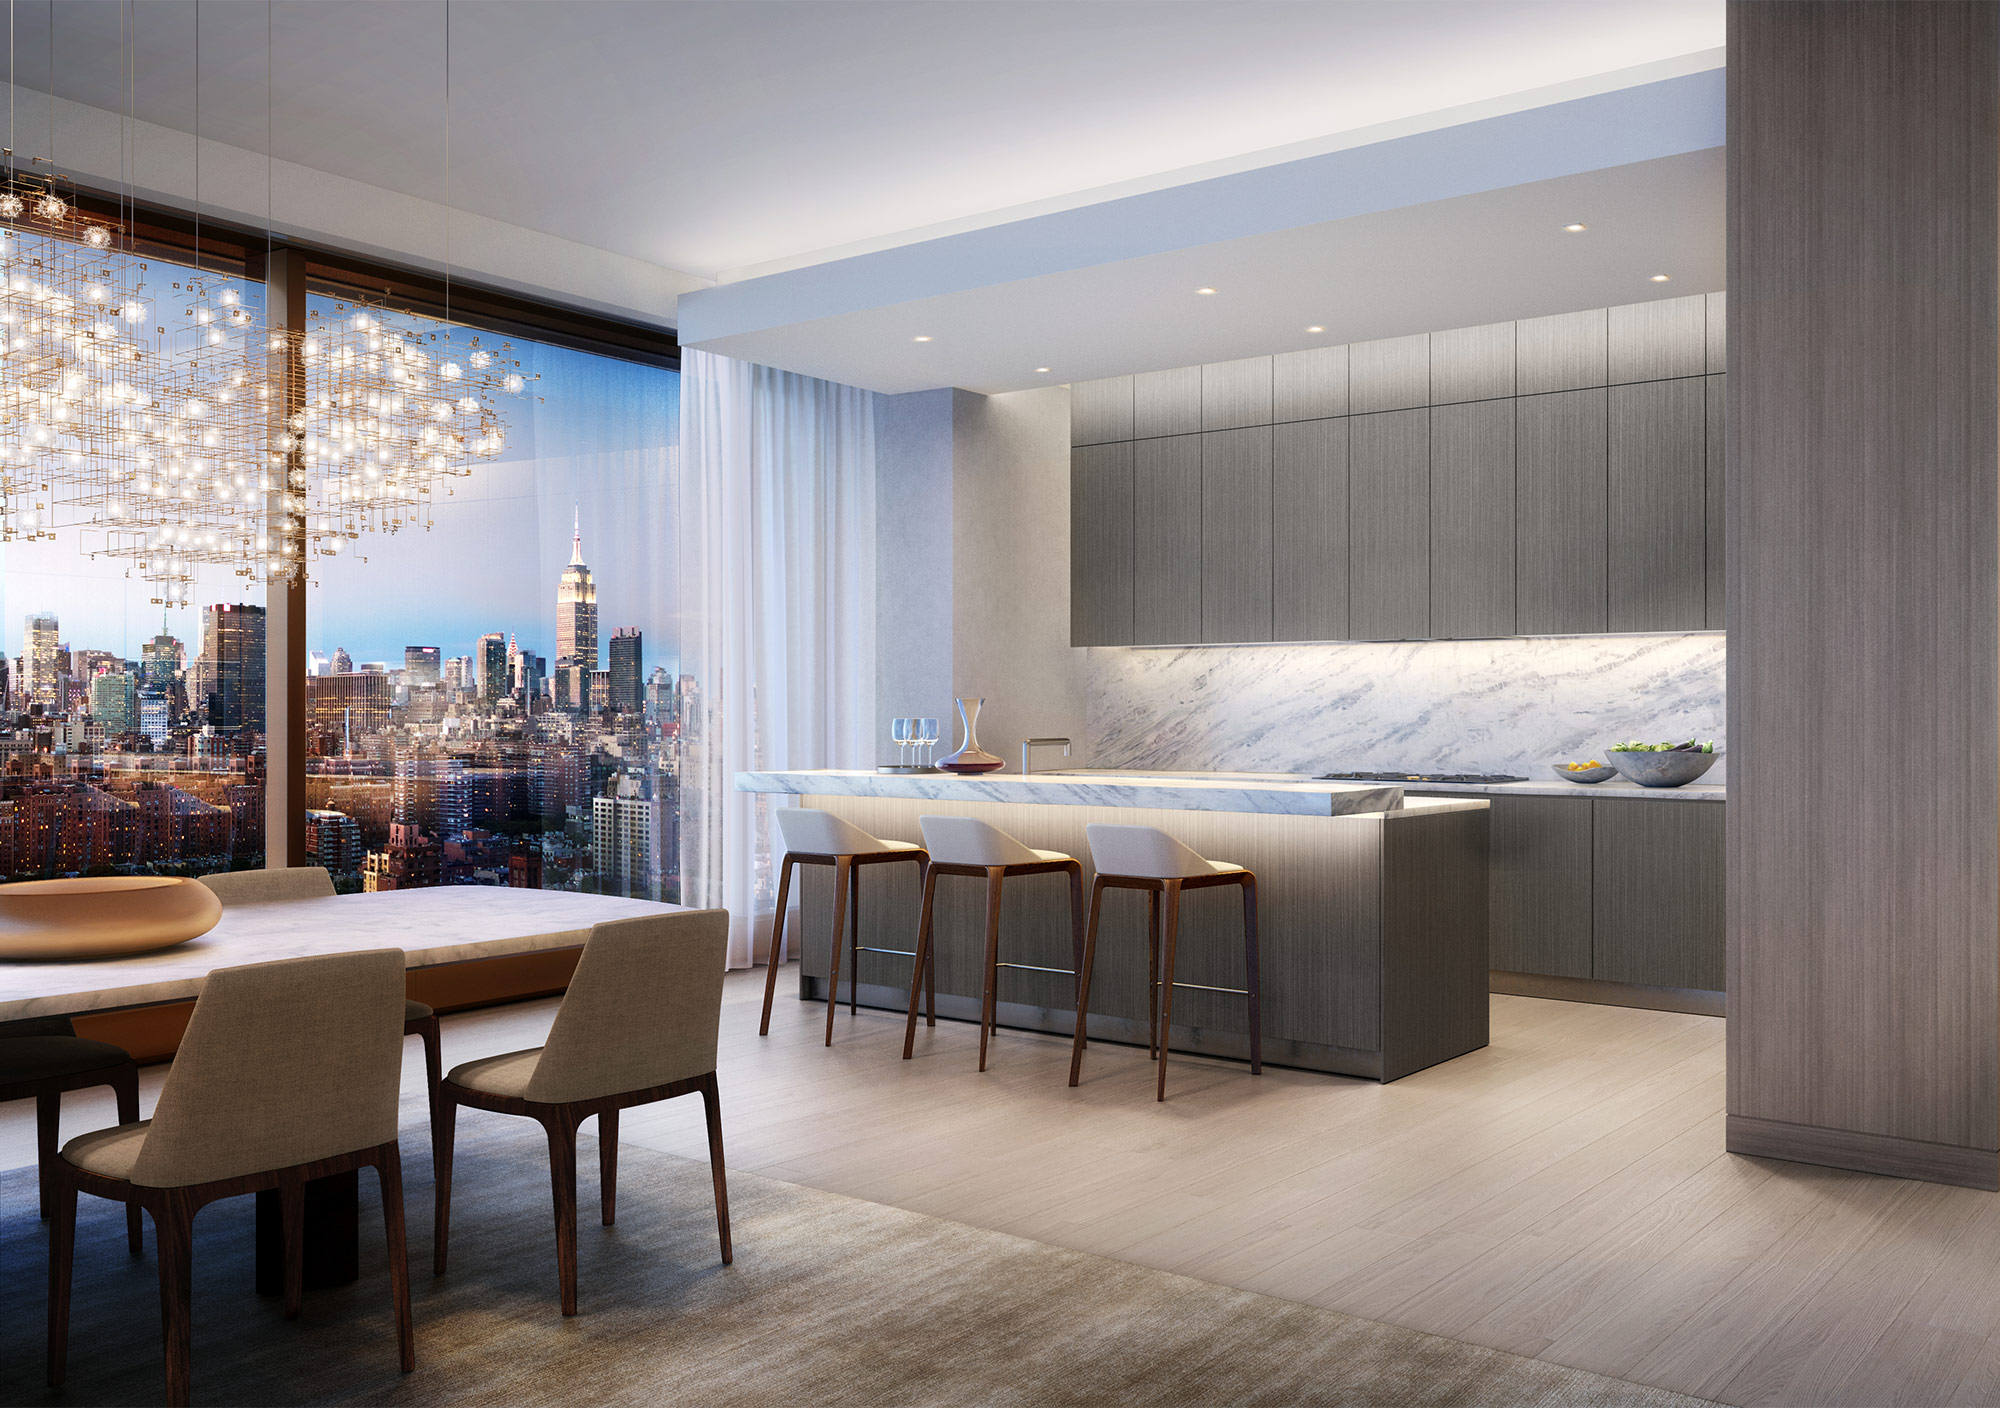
x: 1034, y: 743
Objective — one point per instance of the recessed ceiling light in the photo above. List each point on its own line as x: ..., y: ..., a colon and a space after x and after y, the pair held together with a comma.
x: 1315, y: 328
x: 1041, y: 369
x: 1204, y: 290
x: 1576, y: 229
x: 1660, y: 278
x: 921, y: 337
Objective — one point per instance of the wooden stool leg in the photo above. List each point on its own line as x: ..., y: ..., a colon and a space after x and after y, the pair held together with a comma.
x: 62, y: 1259
x: 711, y: 1103
x: 1173, y: 907
x: 990, y: 1003
x: 921, y: 972
x: 607, y: 1164
x: 841, y: 867
x: 930, y: 972
x: 1075, y: 872
x: 777, y: 955
x: 1077, y: 1042
x: 1154, y: 923
x: 1250, y: 969
x: 48, y: 1121
x: 853, y: 940
x: 562, y: 1182
x: 125, y: 1086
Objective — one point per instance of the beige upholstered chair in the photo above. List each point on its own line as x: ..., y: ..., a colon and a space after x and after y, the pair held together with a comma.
x: 637, y: 1025
x: 312, y: 882
x: 43, y: 1057
x: 289, y: 1071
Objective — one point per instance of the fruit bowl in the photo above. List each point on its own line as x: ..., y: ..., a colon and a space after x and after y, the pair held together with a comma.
x: 93, y: 916
x: 1569, y: 773
x: 1661, y: 769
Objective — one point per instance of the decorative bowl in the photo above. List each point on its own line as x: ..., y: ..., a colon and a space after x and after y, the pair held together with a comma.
x: 1662, y: 769
x: 1568, y: 774
x: 96, y: 916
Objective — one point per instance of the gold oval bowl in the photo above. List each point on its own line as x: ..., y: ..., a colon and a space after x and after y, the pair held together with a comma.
x: 98, y: 916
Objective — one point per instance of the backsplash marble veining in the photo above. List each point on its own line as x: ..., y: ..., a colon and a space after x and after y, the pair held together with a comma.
x: 1432, y: 706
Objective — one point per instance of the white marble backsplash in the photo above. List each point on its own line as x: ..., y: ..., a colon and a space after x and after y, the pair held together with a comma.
x: 1430, y: 706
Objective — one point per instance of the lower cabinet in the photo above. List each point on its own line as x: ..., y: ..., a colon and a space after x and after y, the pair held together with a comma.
x: 1619, y: 890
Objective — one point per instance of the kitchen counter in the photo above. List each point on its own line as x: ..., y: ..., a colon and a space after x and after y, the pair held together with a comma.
x: 1546, y: 786
x: 1273, y: 794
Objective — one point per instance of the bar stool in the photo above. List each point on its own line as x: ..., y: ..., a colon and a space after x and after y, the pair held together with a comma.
x: 821, y: 838
x: 1145, y: 858
x: 963, y: 845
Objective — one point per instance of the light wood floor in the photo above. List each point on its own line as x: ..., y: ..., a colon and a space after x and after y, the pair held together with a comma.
x: 1561, y: 1194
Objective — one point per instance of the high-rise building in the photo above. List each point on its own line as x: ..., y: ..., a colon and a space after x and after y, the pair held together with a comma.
x: 343, y: 663
x: 422, y: 666
x: 628, y: 670
x: 490, y: 664
x: 229, y: 674
x: 160, y: 660
x: 156, y: 714
x: 576, y: 607
x: 341, y: 710
x: 621, y: 840
x: 114, y: 702
x: 411, y: 861
x: 333, y: 839
x: 317, y: 664
x: 41, y: 681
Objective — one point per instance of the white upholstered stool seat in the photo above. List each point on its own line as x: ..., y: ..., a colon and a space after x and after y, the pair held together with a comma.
x: 1147, y: 858
x: 815, y: 837
x: 964, y: 845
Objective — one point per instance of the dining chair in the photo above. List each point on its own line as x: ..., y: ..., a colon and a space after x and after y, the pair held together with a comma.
x: 638, y: 1025
x: 42, y: 1058
x: 289, y: 1071
x: 1147, y: 858
x: 276, y: 885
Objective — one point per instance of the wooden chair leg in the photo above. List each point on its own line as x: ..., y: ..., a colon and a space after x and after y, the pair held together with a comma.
x: 921, y: 971
x: 1083, y: 981
x: 607, y: 1164
x: 1173, y: 924
x: 1153, y: 975
x: 562, y: 1182
x: 432, y: 1036
x: 48, y: 1139
x: 292, y: 1200
x: 173, y: 1233
x: 1250, y: 970
x: 777, y: 955
x: 125, y: 1086
x: 444, y: 1127
x: 994, y: 875
x: 389, y: 1168
x: 841, y: 867
x: 711, y: 1102
x: 62, y: 1259
x: 853, y: 940
x: 1075, y: 871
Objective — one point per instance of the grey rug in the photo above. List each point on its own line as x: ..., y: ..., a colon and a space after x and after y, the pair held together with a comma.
x: 831, y: 1302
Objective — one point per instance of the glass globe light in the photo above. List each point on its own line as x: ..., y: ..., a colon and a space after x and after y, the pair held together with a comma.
x: 11, y: 207
x: 51, y: 207
x: 97, y: 237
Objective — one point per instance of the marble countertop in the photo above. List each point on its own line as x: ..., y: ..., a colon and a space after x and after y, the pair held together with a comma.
x: 448, y: 924
x: 1272, y: 794
x: 1549, y: 787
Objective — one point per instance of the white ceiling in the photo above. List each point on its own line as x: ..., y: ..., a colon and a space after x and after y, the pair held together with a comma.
x: 727, y: 139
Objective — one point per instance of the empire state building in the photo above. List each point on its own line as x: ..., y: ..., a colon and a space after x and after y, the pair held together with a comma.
x: 576, y: 608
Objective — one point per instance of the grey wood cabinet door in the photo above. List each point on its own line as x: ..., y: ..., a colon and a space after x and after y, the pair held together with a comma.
x: 1718, y: 477
x: 1166, y: 540
x: 1309, y: 530
x: 1561, y: 509
x: 1236, y: 534
x: 1166, y: 403
x: 1100, y: 411
x: 1236, y: 393
x: 1657, y: 340
x: 1309, y: 385
x: 1472, y: 520
x: 1658, y: 578
x: 1540, y: 906
x: 1390, y: 375
x: 1472, y: 364
x: 1389, y: 525
x: 1657, y: 893
x: 1560, y: 353
x: 1100, y: 545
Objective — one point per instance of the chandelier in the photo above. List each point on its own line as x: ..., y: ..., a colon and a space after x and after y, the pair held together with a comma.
x: 154, y: 421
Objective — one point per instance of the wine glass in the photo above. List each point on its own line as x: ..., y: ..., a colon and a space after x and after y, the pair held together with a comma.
x: 902, y: 732
x: 927, y: 737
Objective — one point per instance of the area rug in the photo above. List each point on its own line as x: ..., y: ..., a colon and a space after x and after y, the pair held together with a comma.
x: 831, y: 1302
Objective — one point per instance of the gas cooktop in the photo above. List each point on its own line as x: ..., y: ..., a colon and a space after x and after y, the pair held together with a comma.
x: 1479, y: 777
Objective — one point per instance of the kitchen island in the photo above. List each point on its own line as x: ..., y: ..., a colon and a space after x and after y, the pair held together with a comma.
x: 1372, y: 911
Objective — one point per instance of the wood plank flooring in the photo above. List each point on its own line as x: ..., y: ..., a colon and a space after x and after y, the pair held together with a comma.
x: 1562, y: 1194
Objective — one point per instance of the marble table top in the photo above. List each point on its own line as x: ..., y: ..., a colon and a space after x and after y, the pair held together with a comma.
x: 1182, y: 792
x: 444, y: 925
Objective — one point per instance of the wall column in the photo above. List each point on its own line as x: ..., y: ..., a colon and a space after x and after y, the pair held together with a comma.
x: 285, y: 601
x: 1864, y: 585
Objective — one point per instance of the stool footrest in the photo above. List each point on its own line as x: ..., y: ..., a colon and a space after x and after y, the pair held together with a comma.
x: 1037, y: 968
x: 1204, y: 987
x: 898, y: 952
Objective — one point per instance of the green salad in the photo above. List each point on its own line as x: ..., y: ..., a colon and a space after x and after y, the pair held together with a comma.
x: 1688, y: 747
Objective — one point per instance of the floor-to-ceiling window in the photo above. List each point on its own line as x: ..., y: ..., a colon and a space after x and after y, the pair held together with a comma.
x: 131, y: 724
x: 495, y: 699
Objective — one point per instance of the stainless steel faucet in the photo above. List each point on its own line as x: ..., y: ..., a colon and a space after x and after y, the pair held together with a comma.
x: 1034, y: 743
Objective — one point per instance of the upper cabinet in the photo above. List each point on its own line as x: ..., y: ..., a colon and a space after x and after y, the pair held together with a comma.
x: 1553, y: 476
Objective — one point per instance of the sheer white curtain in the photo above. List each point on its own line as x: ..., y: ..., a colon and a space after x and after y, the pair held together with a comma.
x: 777, y: 560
